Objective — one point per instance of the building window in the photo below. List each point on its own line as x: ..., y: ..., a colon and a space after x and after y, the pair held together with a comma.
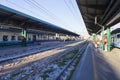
x: 118, y: 35
x: 38, y: 35
x: 12, y: 37
x: 29, y: 38
x: 5, y: 37
x: 19, y: 37
x: 34, y: 37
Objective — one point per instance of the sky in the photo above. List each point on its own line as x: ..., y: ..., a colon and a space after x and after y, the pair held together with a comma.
x: 63, y: 13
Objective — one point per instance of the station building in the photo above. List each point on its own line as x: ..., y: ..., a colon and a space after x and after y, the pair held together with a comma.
x: 16, y: 26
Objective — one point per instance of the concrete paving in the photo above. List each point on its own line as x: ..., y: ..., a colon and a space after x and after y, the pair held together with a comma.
x: 98, y: 66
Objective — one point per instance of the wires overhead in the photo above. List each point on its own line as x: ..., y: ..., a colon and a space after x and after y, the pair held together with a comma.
x: 42, y: 9
x: 37, y: 8
x: 72, y: 10
x: 69, y: 7
x: 20, y: 6
x: 33, y: 6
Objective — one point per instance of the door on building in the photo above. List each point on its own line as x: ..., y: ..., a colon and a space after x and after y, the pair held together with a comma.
x: 34, y: 37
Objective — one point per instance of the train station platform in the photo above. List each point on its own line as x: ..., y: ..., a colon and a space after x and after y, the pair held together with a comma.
x: 98, y: 66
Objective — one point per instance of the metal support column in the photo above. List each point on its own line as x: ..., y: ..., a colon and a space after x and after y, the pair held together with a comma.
x: 94, y: 37
x: 24, y: 35
x: 109, y: 39
x: 102, y: 38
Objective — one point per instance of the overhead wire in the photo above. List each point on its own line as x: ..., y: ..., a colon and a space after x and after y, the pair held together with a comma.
x: 69, y: 8
x: 43, y: 8
x: 23, y: 8
x: 26, y: 8
x: 77, y: 18
x: 36, y: 5
x: 51, y: 14
x: 73, y: 8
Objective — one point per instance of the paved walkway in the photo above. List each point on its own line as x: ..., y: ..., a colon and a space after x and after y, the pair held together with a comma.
x: 97, y: 66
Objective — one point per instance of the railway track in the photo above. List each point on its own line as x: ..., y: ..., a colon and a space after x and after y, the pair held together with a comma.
x: 29, y: 76
x: 30, y: 53
x: 74, y: 60
x: 51, y: 61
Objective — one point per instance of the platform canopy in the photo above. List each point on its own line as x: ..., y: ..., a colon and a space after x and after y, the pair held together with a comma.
x: 106, y: 11
x: 10, y: 16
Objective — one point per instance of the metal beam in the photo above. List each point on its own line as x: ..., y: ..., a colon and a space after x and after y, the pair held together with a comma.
x: 94, y: 6
x: 114, y: 18
x: 24, y: 21
x: 111, y: 12
x: 107, y: 9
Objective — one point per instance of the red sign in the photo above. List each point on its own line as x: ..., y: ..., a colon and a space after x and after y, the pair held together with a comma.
x: 105, y: 40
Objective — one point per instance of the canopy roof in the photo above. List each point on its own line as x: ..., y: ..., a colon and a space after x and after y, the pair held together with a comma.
x: 106, y: 11
x: 26, y: 21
